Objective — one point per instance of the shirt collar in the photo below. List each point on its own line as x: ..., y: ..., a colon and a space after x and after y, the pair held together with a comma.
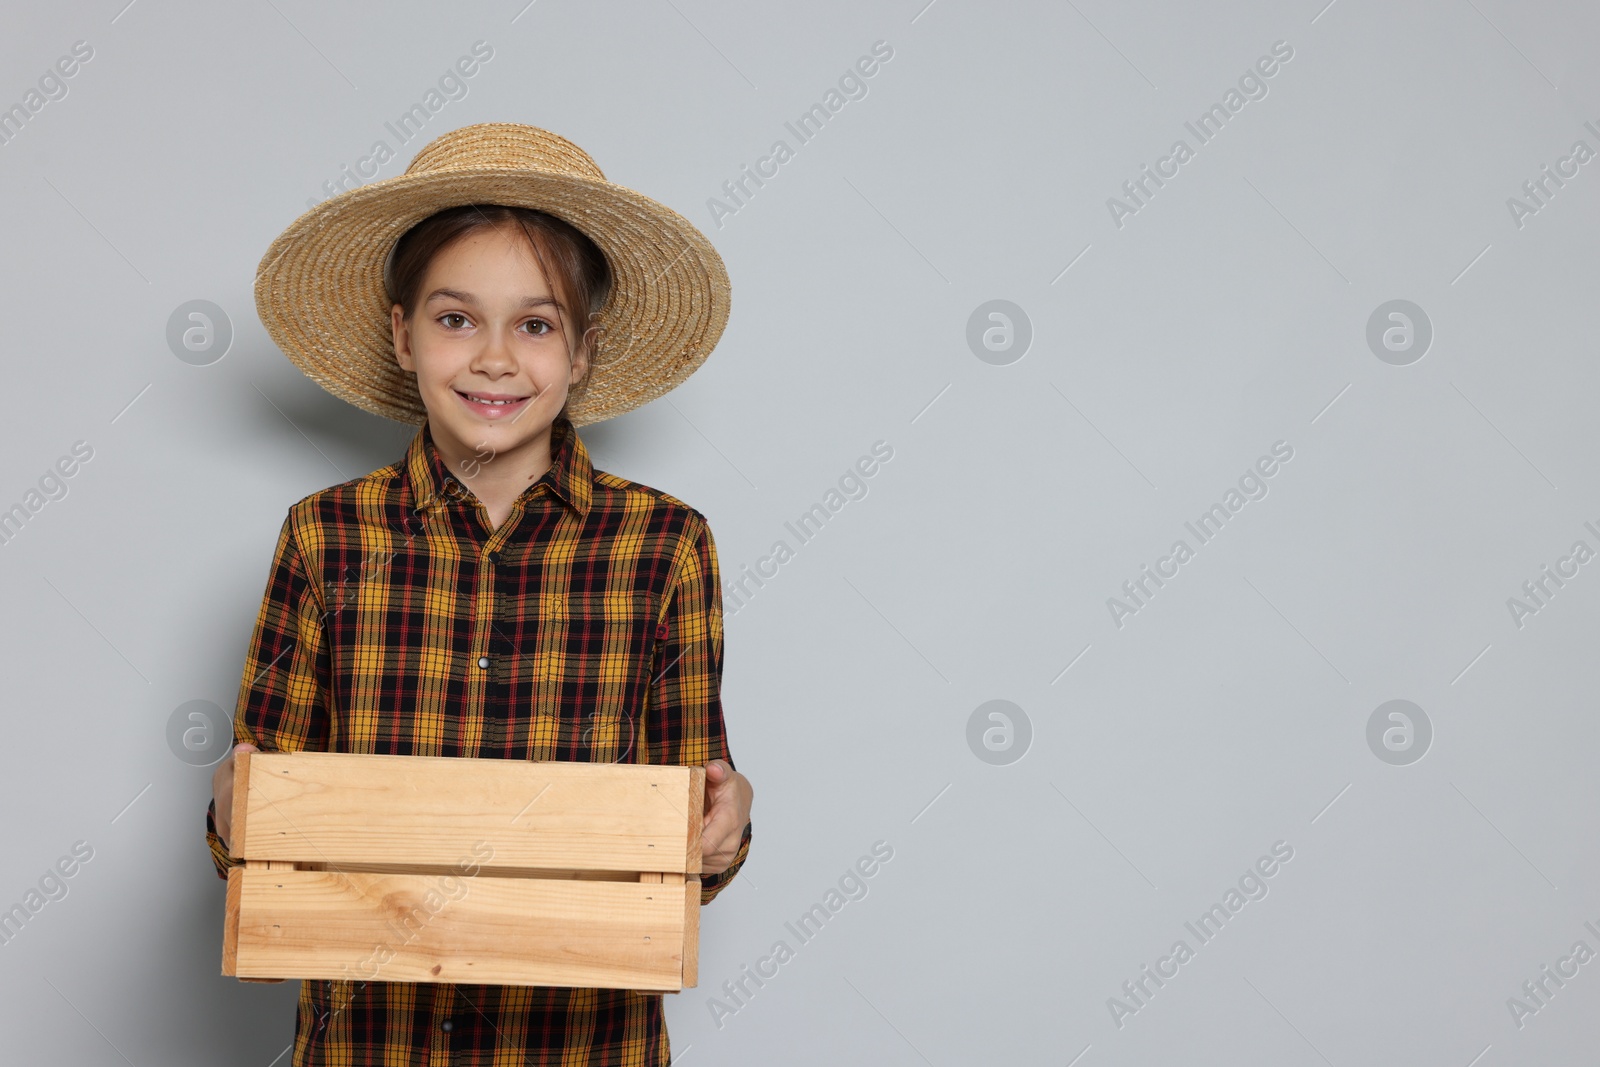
x: 570, y: 477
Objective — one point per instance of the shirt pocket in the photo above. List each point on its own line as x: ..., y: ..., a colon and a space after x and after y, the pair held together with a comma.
x: 595, y: 652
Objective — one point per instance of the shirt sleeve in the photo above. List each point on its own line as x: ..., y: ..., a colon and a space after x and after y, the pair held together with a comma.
x: 683, y: 708
x: 283, y: 701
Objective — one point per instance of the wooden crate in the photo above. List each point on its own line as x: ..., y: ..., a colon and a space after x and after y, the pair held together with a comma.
x: 445, y: 869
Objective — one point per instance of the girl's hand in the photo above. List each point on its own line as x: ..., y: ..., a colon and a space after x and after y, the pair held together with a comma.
x: 222, y: 791
x: 728, y: 796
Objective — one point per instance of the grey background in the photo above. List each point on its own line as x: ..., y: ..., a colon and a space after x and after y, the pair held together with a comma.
x: 1167, y: 354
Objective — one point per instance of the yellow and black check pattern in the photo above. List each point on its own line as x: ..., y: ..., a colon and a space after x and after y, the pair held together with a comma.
x: 395, y: 620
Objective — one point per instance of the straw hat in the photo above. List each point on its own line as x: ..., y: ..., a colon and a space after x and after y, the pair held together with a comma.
x: 320, y: 292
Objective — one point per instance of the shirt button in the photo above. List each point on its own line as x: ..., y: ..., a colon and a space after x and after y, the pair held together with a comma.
x: 493, y: 557
x: 483, y: 661
x: 447, y: 1026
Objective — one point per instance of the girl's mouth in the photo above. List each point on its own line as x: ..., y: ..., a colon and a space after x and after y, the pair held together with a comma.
x: 493, y: 405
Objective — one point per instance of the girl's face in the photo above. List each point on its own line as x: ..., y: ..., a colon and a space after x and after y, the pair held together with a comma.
x: 485, y: 329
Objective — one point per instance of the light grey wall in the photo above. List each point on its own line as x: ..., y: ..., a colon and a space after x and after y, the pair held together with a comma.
x: 1147, y: 760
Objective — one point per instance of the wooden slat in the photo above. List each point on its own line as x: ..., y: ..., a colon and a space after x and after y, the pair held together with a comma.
x: 230, y: 920
x: 342, y: 808
x: 696, y: 814
x: 689, y: 976
x: 230, y: 930
x: 326, y: 924
x: 691, y: 931
x: 241, y: 794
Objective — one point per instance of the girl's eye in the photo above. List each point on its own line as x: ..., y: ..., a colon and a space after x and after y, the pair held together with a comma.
x: 451, y: 315
x: 542, y: 327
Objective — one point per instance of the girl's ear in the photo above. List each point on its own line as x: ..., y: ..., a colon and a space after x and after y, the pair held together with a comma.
x: 402, y: 338
x: 583, y: 358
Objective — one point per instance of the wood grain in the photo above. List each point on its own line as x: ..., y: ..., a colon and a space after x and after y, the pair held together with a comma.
x: 506, y: 931
x: 342, y: 808
x: 445, y: 869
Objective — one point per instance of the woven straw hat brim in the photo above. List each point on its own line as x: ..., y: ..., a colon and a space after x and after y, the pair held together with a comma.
x: 319, y: 289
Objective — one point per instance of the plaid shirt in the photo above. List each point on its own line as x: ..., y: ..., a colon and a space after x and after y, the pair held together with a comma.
x: 587, y: 627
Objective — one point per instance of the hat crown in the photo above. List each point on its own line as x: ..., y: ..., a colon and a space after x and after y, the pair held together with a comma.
x: 504, y: 145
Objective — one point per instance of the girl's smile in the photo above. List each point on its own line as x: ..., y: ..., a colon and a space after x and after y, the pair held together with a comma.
x: 493, y: 405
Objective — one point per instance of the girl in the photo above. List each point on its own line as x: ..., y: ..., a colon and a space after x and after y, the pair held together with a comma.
x: 492, y: 594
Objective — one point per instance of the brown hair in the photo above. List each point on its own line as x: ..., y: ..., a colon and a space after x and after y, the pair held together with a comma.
x: 582, y: 276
